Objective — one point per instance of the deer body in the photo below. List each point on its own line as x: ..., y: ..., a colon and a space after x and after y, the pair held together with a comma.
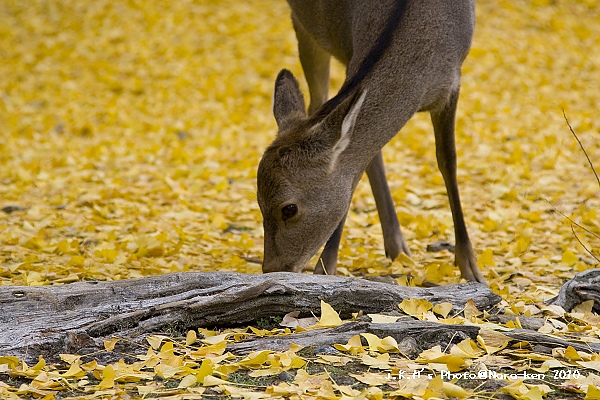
x: 401, y: 57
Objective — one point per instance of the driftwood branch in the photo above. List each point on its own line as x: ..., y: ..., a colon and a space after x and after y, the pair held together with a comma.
x: 425, y: 334
x: 77, y: 317
x: 584, y: 286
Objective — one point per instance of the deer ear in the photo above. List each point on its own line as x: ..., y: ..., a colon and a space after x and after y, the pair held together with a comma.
x: 347, y: 127
x: 288, y: 102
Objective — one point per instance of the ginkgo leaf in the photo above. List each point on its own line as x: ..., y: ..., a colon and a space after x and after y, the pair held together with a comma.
x: 471, y: 312
x: 155, y: 341
x: 380, y: 362
x: 382, y: 319
x: 108, y: 378
x: 210, y: 380
x: 333, y: 360
x: 371, y: 379
x: 492, y: 341
x: 593, y: 365
x: 466, y: 349
x: 187, y: 381
x: 329, y: 317
x: 255, y: 358
x: 216, y: 339
x: 436, y: 356
x: 435, y: 389
x: 40, y: 364
x: 109, y: 345
x: 454, y: 391
x: 443, y: 309
x: 190, y: 338
x: 592, y: 393
x: 415, y: 307
x: 354, y: 346
x: 206, y: 369
x: 75, y: 370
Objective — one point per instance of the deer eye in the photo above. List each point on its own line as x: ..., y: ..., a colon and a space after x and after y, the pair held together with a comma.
x: 288, y: 211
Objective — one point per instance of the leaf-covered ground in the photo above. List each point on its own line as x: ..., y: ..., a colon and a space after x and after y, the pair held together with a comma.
x: 131, y: 132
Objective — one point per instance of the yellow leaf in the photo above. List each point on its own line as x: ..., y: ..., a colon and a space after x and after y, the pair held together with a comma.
x: 415, y: 307
x: 435, y: 388
x: 533, y: 394
x: 371, y: 379
x: 166, y: 351
x: 379, y: 362
x: 109, y: 345
x: 155, y: 341
x: 382, y: 319
x: 90, y: 366
x: 77, y: 261
x: 166, y: 371
x: 593, y: 393
x: 206, y: 369
x: 70, y: 358
x: 471, y: 312
x: 492, y: 341
x: 354, y: 346
x: 388, y: 343
x: 442, y: 309
x: 466, y: 349
x: 490, y: 225
x: 256, y: 358
x: 572, y: 354
x: 569, y: 258
x: 436, y: 356
x: 213, y: 381
x: 487, y: 258
x: 74, y: 371
x: 213, y: 350
x: 333, y: 360
x: 11, y: 361
x: 40, y: 364
x: 187, y: 381
x: 405, y: 260
x: 216, y: 339
x: 266, y: 372
x: 373, y: 393
x: 329, y: 318
x: 190, y: 338
x: 108, y: 378
x: 454, y: 391
x: 594, y: 365
x: 373, y: 341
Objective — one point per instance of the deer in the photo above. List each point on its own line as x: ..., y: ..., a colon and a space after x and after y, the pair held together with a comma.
x: 401, y: 57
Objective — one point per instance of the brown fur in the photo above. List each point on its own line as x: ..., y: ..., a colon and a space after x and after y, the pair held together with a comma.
x: 396, y: 65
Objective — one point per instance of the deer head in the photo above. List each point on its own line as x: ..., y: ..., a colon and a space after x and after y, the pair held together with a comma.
x: 304, y: 187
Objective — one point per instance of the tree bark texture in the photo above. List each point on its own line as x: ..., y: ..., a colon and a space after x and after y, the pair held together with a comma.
x: 49, y: 320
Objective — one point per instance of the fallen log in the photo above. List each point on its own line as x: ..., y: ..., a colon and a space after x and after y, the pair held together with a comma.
x: 78, y: 317
x: 426, y: 334
x: 583, y: 287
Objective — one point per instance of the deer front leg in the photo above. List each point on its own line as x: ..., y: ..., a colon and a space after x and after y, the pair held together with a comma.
x: 443, y: 125
x: 393, y: 240
x: 327, y: 264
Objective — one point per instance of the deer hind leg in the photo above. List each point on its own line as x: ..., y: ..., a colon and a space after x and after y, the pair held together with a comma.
x: 393, y: 239
x: 443, y: 125
x: 315, y: 64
